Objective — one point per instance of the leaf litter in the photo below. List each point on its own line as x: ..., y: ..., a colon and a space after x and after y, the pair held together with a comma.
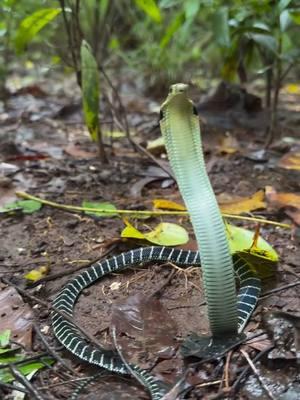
x: 182, y: 297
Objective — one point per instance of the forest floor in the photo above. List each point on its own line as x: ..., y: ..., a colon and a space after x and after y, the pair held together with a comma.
x: 46, y: 152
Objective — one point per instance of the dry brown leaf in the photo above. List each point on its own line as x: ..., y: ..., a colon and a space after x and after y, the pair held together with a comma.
x: 147, y: 321
x: 16, y: 316
x: 239, y: 205
x: 294, y: 214
x: 290, y: 160
x: 282, y: 199
x: 76, y: 152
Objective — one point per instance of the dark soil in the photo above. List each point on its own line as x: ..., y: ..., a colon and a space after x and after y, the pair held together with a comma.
x: 64, y: 240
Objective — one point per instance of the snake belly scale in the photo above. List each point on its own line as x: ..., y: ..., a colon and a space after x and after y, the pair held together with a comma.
x: 71, y: 338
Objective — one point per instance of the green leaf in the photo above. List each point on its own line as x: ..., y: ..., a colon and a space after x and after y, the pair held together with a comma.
x: 295, y: 16
x: 90, y: 90
x: 25, y: 369
x: 31, y: 25
x: 100, y: 206
x: 260, y: 256
x: 285, y: 20
x: 220, y: 27
x: 191, y: 8
x: 150, y: 8
x: 9, y: 358
x: 283, y: 4
x: 4, y: 337
x: 174, y: 25
x: 164, y: 234
x: 266, y: 41
x: 27, y: 206
x: 241, y: 239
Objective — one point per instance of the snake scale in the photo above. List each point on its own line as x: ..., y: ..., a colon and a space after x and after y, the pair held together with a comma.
x: 227, y: 312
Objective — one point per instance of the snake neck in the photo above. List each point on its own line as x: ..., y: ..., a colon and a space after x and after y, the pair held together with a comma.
x: 181, y: 131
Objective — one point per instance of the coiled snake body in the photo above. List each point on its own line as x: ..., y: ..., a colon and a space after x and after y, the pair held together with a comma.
x: 179, y: 127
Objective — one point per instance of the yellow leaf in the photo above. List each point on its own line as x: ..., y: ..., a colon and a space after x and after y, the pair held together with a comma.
x: 228, y: 144
x: 292, y: 88
x: 36, y: 274
x: 131, y: 232
x: 290, y: 160
x: 167, y: 205
x: 241, y: 205
x: 164, y: 234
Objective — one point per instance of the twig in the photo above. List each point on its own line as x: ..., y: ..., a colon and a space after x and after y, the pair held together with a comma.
x: 13, y: 387
x: 71, y: 271
x: 226, y: 370
x: 158, y: 291
x: 70, y: 208
x: 50, y: 350
x: 122, y: 108
x: 25, y: 382
x: 279, y: 289
x: 234, y: 388
x: 51, y: 307
x: 256, y: 373
x: 26, y: 360
x: 152, y: 158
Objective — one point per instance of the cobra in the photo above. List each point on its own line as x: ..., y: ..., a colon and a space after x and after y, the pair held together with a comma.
x: 228, y: 313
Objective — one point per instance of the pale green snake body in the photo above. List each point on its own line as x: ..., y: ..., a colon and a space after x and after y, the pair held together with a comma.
x: 227, y: 313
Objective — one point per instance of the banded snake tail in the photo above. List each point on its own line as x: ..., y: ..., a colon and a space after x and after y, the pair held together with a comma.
x: 227, y: 312
x: 70, y: 337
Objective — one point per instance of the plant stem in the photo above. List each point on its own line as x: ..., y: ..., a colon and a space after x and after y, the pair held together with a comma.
x: 70, y: 208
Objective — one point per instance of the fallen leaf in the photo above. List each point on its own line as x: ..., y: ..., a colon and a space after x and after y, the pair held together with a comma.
x: 4, y: 337
x: 36, y: 274
x: 164, y: 234
x: 257, y: 252
x: 167, y: 205
x: 284, y: 329
x: 27, y: 369
x: 76, y: 152
x: 282, y: 199
x: 156, y: 146
x: 292, y: 88
x: 114, y: 134
x: 102, y: 207
x: 147, y: 321
x: 27, y: 206
x: 294, y: 214
x: 16, y: 316
x: 239, y: 205
x: 290, y: 160
x: 228, y: 144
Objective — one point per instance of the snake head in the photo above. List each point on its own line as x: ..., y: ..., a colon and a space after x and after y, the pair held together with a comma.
x: 178, y: 88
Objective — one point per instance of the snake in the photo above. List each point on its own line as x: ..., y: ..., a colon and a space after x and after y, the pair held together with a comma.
x: 228, y: 311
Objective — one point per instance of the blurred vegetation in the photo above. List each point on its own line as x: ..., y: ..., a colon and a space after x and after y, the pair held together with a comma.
x: 159, y: 41
x: 162, y: 40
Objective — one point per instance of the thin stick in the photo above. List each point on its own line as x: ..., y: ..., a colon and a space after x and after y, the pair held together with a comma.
x: 51, y: 307
x: 71, y: 271
x: 25, y: 382
x: 256, y: 373
x: 69, y: 208
x: 13, y: 387
x: 247, y: 369
x: 152, y: 158
x: 279, y: 289
x: 50, y: 350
